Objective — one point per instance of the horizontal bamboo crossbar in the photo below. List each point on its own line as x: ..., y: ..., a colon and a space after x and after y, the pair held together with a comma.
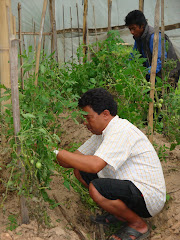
x: 172, y: 26
x: 92, y: 30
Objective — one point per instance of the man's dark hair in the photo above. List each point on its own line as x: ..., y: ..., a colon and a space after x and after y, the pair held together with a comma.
x: 99, y: 100
x: 135, y: 17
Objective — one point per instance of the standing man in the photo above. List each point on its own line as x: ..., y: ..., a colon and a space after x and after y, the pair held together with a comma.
x: 143, y: 35
x: 118, y: 165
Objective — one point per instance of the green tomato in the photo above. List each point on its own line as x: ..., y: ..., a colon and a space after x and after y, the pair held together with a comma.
x: 38, y: 165
x: 161, y: 100
x: 159, y: 105
x: 32, y: 161
x: 155, y: 105
x: 90, y: 201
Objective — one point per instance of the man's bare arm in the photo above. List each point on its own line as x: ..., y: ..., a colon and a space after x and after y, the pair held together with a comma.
x: 77, y: 160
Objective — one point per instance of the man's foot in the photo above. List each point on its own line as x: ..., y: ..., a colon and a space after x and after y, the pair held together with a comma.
x: 128, y: 233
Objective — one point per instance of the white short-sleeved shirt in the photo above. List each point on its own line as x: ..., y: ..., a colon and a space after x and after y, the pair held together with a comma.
x: 129, y: 156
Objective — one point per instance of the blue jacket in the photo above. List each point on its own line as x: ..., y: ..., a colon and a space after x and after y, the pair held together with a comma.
x: 144, y: 55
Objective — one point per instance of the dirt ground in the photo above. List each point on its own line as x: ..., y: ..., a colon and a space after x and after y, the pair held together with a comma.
x: 74, y: 223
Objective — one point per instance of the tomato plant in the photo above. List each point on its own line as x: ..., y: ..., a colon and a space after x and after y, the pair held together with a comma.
x: 59, y: 87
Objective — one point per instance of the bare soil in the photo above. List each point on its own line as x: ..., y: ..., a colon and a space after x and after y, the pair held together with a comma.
x: 74, y: 222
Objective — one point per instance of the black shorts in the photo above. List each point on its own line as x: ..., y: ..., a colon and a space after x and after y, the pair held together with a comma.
x: 124, y: 190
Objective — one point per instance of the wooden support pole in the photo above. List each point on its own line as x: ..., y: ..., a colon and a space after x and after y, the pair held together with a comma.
x: 99, y: 30
x: 16, y: 117
x: 85, y: 27
x: 78, y: 27
x: 71, y: 35
x: 8, y: 4
x: 88, y: 51
x: 4, y: 52
x: 109, y: 14
x: 20, y: 46
x: 141, y: 5
x: 153, y: 69
x: 94, y: 16
x: 14, y: 85
x: 23, y: 44
x: 162, y: 44
x: 64, y: 42
x: 53, y: 29
x: 34, y: 39
x: 44, y: 39
x: 14, y: 26
x: 39, y: 42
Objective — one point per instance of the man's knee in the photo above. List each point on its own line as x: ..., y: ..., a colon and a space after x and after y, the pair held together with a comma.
x: 95, y: 195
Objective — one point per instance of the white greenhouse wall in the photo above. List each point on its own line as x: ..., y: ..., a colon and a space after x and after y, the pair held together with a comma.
x: 31, y: 11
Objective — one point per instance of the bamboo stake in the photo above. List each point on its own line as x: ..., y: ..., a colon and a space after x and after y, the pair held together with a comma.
x: 162, y: 44
x: 23, y: 43
x: 14, y: 86
x: 14, y: 26
x: 53, y: 28
x: 4, y: 52
x: 39, y: 42
x: 109, y: 14
x: 95, y: 26
x: 23, y: 49
x: 20, y: 46
x: 10, y: 21
x: 64, y: 43
x: 43, y: 45
x: 78, y: 27
x: 153, y: 69
x: 71, y: 35
x: 34, y: 39
x: 88, y: 52
x: 101, y: 230
x: 141, y: 5
x: 16, y: 117
x: 85, y: 27
x: 99, y: 30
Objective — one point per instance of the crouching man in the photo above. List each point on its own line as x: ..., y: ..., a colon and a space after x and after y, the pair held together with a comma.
x: 119, y: 166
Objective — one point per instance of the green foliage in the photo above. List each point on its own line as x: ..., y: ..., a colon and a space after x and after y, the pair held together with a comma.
x: 168, y: 197
x: 167, y: 116
x: 162, y: 152
x: 12, y: 224
x: 113, y: 68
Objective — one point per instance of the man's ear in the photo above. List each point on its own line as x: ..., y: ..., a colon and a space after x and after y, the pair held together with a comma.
x: 106, y: 113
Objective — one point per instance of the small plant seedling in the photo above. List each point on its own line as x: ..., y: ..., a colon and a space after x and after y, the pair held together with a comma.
x: 168, y: 197
x: 12, y: 224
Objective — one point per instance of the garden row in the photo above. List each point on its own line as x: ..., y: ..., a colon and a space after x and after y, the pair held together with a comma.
x: 59, y: 88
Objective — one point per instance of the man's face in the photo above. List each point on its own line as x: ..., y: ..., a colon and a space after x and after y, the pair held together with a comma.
x: 136, y: 30
x: 93, y: 121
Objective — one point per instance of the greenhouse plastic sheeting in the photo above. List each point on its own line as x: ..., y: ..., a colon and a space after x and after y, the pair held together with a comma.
x: 31, y: 12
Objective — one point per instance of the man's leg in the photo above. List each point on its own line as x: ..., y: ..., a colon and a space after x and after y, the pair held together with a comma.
x: 119, y: 209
